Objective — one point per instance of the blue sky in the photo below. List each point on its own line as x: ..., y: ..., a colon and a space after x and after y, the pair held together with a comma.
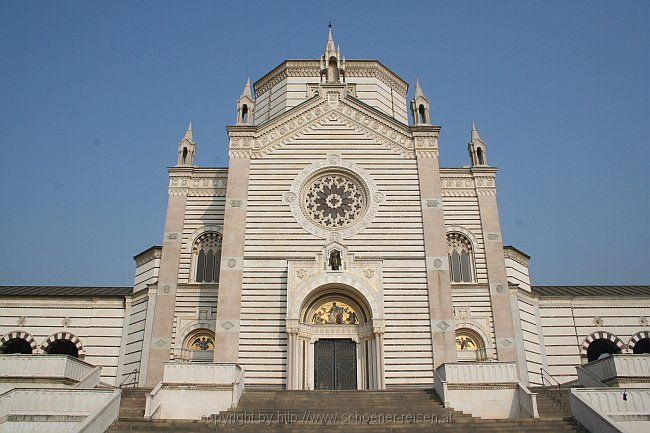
x: 94, y: 98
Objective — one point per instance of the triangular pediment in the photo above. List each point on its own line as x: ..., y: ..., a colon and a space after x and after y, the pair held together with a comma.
x: 326, y: 110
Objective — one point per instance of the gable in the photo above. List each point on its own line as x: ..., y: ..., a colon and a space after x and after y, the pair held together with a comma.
x: 322, y: 112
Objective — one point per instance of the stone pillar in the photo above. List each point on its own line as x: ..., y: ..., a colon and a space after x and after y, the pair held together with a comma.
x: 292, y: 366
x: 379, y: 360
x: 226, y: 347
x: 164, y: 300
x: 502, y: 306
x: 441, y: 312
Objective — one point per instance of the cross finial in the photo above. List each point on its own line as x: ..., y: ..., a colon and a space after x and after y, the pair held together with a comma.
x: 330, y: 25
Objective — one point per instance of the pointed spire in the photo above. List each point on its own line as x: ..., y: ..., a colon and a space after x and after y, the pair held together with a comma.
x: 418, y: 89
x: 330, y: 40
x: 247, y: 90
x: 474, y: 135
x: 188, y: 133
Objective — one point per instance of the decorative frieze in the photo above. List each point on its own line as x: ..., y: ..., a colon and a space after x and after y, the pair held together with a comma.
x: 311, y: 68
x: 195, y: 184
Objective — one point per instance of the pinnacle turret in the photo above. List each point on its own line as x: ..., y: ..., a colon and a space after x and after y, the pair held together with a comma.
x: 186, y: 148
x: 476, y: 148
x: 420, y: 106
x: 245, y: 105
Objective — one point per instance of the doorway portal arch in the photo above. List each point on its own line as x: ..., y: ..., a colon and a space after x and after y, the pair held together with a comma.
x: 335, y: 306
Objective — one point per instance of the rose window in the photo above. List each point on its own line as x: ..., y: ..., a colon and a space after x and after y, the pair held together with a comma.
x: 334, y: 200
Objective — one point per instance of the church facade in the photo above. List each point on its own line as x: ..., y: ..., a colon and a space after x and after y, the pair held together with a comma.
x: 332, y: 253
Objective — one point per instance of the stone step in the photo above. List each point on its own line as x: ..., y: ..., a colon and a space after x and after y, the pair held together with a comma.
x: 285, y: 411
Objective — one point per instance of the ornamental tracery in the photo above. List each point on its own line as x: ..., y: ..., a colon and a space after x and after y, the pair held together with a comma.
x: 334, y: 200
x: 461, y: 258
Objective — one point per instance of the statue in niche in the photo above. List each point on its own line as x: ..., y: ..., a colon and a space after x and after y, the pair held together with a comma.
x: 335, y: 260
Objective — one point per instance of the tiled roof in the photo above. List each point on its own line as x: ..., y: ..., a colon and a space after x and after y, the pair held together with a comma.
x: 64, y: 291
x: 571, y: 291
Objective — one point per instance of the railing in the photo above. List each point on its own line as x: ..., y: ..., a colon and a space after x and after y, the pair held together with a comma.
x: 153, y: 402
x: 527, y: 401
x: 551, y: 378
x: 91, y: 380
x: 103, y: 417
x: 588, y: 379
x: 133, y: 382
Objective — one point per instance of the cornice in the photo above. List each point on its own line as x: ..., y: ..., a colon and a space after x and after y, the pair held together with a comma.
x: 589, y: 302
x: 518, y: 257
x: 148, y: 255
x: 63, y: 303
x: 199, y: 183
x: 311, y: 68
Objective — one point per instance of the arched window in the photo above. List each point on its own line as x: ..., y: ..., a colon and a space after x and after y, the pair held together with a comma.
x: 470, y: 345
x: 461, y: 258
x: 207, y: 258
x: 244, y: 113
x: 600, y: 347
x: 332, y: 70
x: 184, y: 155
x: 198, y: 346
x: 422, y: 113
x: 479, y: 156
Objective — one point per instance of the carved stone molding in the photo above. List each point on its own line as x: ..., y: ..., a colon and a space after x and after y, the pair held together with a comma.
x: 323, y: 110
x: 198, y: 184
x: 311, y: 68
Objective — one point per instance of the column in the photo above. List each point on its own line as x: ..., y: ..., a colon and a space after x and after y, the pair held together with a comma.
x: 441, y: 312
x: 232, y: 254
x: 162, y: 303
x: 500, y: 297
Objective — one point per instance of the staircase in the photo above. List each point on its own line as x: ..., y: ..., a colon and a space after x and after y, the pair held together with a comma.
x: 133, y: 402
x: 336, y: 411
x: 551, y: 402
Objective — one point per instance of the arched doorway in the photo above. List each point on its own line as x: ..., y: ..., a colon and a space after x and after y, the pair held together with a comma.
x: 335, y: 342
x: 62, y: 347
x: 640, y: 343
x: 336, y: 360
x: 16, y: 346
x: 642, y: 346
x: 17, y: 342
x: 63, y: 343
x: 599, y: 347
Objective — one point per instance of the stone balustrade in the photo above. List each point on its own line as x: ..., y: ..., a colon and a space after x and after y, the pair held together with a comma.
x: 56, y: 409
x: 485, y: 389
x: 195, y: 390
x: 55, y: 370
x: 478, y: 372
x: 214, y: 374
x: 635, y: 369
x: 611, y: 409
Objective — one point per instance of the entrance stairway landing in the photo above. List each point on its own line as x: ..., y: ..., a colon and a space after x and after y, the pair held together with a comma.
x: 338, y: 411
